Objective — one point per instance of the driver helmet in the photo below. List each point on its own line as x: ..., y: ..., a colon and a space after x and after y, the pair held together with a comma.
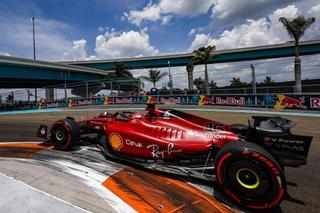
x: 103, y: 115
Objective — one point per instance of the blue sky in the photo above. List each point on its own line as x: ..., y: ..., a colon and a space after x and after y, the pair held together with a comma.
x: 105, y: 29
x: 69, y: 30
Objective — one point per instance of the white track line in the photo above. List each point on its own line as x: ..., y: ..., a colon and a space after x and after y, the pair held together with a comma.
x: 35, y: 189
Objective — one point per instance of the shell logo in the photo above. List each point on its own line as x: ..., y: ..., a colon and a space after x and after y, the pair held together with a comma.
x: 116, y: 141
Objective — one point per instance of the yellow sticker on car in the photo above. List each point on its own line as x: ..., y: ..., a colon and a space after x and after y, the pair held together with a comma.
x: 116, y: 141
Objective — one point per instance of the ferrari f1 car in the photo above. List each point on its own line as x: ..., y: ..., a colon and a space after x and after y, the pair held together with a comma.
x: 247, y: 162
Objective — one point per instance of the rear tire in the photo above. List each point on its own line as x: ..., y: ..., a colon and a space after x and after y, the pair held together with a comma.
x: 65, y: 134
x: 250, y: 175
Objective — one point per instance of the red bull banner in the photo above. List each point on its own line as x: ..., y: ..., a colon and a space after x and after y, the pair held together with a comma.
x: 277, y: 101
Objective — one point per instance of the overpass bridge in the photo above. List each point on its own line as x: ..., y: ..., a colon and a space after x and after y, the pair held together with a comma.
x: 223, y: 56
x: 26, y: 73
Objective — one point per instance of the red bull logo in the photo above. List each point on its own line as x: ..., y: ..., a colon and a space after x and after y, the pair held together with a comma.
x: 107, y: 101
x: 42, y: 103
x: 151, y: 100
x: 289, y: 102
x: 72, y: 103
x: 315, y: 103
x: 204, y: 100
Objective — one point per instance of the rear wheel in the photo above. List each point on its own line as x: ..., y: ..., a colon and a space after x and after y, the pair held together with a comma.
x: 250, y: 175
x: 65, y: 134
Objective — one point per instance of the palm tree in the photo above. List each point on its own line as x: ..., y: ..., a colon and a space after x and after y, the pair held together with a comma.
x: 154, y: 76
x: 213, y: 84
x: 199, y: 83
x: 236, y: 82
x: 202, y: 56
x: 121, y: 71
x: 296, y: 29
x: 190, y: 68
x: 268, y: 81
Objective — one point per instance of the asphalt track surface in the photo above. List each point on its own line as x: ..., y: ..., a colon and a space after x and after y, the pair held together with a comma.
x: 53, y: 176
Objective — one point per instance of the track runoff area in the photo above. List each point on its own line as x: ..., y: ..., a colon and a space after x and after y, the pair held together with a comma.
x: 83, y: 180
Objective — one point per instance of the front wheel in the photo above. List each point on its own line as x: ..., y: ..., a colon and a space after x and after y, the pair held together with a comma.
x: 250, y: 175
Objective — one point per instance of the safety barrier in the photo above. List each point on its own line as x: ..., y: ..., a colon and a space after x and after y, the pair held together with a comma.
x: 279, y: 101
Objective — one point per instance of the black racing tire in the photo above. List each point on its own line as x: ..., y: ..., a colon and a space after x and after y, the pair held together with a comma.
x: 65, y: 134
x: 239, y: 129
x: 250, y: 175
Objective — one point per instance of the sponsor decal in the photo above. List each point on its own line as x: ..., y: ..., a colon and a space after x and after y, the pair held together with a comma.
x: 107, y: 101
x: 289, y: 102
x: 231, y: 101
x: 123, y: 100
x: 116, y: 141
x: 151, y: 100
x: 284, y: 143
x: 204, y: 100
x: 71, y: 103
x: 315, y: 103
x: 208, y: 134
x: 133, y: 143
x: 157, y: 153
x: 53, y: 105
x: 84, y: 102
x: 42, y: 103
x: 170, y: 100
x: 214, y: 126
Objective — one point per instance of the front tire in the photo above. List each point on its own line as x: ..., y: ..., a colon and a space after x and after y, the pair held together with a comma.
x: 250, y: 175
x: 65, y: 134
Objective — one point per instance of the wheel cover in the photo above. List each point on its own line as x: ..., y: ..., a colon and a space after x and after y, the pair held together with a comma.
x: 59, y: 135
x: 247, y: 178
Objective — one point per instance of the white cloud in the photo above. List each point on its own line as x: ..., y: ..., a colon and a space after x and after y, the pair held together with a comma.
x: 78, y: 51
x: 150, y: 12
x: 262, y: 31
x: 165, y: 9
x: 200, y: 40
x: 124, y: 44
x: 189, y: 8
x: 165, y: 20
x: 315, y: 9
x: 195, y: 30
x: 230, y: 12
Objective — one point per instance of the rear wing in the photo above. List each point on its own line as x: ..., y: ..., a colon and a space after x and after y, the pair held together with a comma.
x: 274, y: 134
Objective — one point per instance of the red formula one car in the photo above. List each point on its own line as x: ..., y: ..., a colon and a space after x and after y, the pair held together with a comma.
x: 247, y: 162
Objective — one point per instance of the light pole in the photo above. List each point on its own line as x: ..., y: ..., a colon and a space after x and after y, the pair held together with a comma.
x: 170, y: 79
x: 254, y: 84
x: 34, y: 54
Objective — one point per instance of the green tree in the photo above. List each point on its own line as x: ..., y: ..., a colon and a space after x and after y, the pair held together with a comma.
x: 121, y: 71
x: 213, y: 84
x: 154, y: 76
x: 237, y: 83
x: 202, y: 56
x: 199, y: 83
x: 268, y: 81
x: 296, y: 29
